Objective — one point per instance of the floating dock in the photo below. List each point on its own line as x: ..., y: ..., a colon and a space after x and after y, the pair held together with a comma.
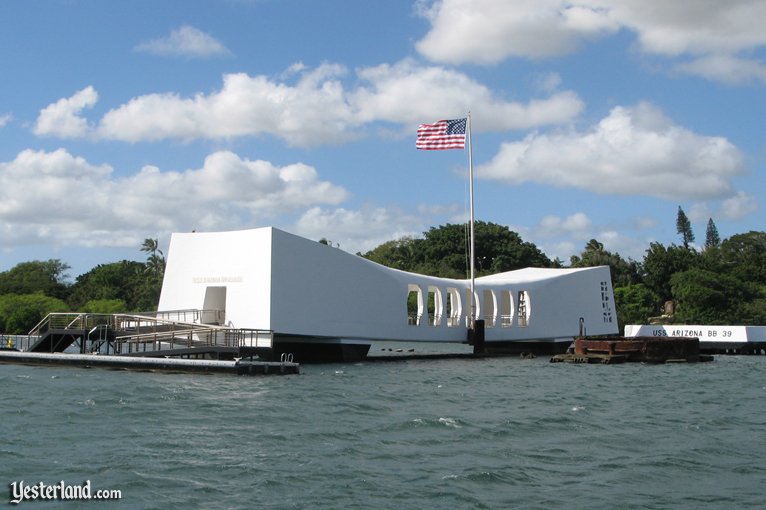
x: 169, y: 341
x: 713, y: 339
x: 159, y: 364
x: 615, y: 350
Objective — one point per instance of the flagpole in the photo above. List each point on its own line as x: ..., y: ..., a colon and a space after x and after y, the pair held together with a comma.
x: 472, y: 246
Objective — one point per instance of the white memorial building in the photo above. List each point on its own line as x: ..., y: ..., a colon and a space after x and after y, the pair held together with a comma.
x: 324, y: 303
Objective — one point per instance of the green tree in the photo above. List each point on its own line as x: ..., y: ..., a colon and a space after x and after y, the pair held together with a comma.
x: 126, y: 280
x: 684, y: 228
x: 47, y: 277
x: 443, y: 251
x: 635, y: 304
x: 155, y: 268
x: 624, y: 272
x: 19, y: 313
x: 398, y: 254
x: 155, y: 262
x: 754, y: 311
x: 105, y: 306
x: 706, y: 297
x: 661, y: 263
x: 712, y: 239
x: 744, y: 256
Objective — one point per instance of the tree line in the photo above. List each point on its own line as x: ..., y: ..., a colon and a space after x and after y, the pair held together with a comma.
x: 31, y: 290
x: 721, y: 282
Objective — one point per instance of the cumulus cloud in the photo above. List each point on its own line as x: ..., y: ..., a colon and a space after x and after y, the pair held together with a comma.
x: 359, y: 230
x: 5, y: 119
x: 489, y: 31
x: 715, y: 35
x: 226, y: 192
x: 691, y: 26
x: 186, y: 41
x: 633, y: 151
x: 316, y: 109
x: 561, y: 237
x: 62, y: 118
x: 313, y: 111
x: 726, y: 68
x: 409, y: 93
x: 577, y: 224
x: 738, y: 206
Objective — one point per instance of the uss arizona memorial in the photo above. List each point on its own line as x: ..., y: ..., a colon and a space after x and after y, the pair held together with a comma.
x: 323, y: 303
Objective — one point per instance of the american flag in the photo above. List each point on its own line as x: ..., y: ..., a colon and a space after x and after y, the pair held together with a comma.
x: 445, y: 134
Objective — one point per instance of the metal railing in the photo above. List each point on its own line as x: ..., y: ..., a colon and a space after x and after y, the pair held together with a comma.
x: 138, y: 332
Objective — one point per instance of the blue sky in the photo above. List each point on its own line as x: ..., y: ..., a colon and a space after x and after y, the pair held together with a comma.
x: 125, y: 120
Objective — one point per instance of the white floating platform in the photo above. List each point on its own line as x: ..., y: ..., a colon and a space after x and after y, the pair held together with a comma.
x: 713, y: 339
x: 239, y: 367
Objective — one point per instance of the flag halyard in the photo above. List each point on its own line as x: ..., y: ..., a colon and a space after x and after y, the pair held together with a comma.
x: 441, y: 135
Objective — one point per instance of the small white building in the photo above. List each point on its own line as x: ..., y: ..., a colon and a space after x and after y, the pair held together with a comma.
x: 311, y: 294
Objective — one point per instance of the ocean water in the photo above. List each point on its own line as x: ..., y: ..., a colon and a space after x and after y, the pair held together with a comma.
x: 495, y: 433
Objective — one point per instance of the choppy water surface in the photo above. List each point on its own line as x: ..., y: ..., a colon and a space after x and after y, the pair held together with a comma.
x: 491, y: 433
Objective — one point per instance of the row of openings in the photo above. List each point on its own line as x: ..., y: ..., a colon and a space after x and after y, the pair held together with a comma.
x: 512, y: 310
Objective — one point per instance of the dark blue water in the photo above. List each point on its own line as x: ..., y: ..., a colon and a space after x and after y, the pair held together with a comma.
x: 491, y: 433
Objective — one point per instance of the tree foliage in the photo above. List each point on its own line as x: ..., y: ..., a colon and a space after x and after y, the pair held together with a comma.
x: 705, y: 297
x: 19, y: 313
x: 443, y: 251
x: 723, y: 284
x: 47, y: 277
x: 105, y: 306
x: 127, y: 281
x: 712, y: 239
x: 624, y: 272
x: 684, y: 228
x: 634, y: 303
x: 661, y: 263
x: 155, y: 268
x: 744, y: 255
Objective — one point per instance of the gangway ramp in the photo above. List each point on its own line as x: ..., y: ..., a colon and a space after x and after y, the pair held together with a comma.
x: 161, y: 333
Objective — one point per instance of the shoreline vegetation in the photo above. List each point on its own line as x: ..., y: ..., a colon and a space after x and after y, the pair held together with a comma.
x: 722, y: 282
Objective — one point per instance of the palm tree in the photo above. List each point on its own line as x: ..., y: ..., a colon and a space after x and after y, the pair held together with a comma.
x: 155, y: 262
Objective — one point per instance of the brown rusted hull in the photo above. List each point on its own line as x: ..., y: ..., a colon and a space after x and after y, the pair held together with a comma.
x: 634, y: 349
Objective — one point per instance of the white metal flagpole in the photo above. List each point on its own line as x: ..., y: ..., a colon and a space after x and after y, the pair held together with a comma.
x: 471, y: 251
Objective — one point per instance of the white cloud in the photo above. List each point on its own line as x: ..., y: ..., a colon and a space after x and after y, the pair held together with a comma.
x: 316, y: 109
x: 359, y: 230
x: 561, y: 237
x: 548, y: 82
x: 409, y: 93
x: 633, y: 151
x: 627, y: 246
x: 726, y: 69
x: 690, y: 26
x: 738, y: 206
x: 186, y: 41
x: 577, y: 224
x: 5, y: 119
x: 715, y: 34
x: 489, y: 31
x: 62, y: 118
x: 226, y: 192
